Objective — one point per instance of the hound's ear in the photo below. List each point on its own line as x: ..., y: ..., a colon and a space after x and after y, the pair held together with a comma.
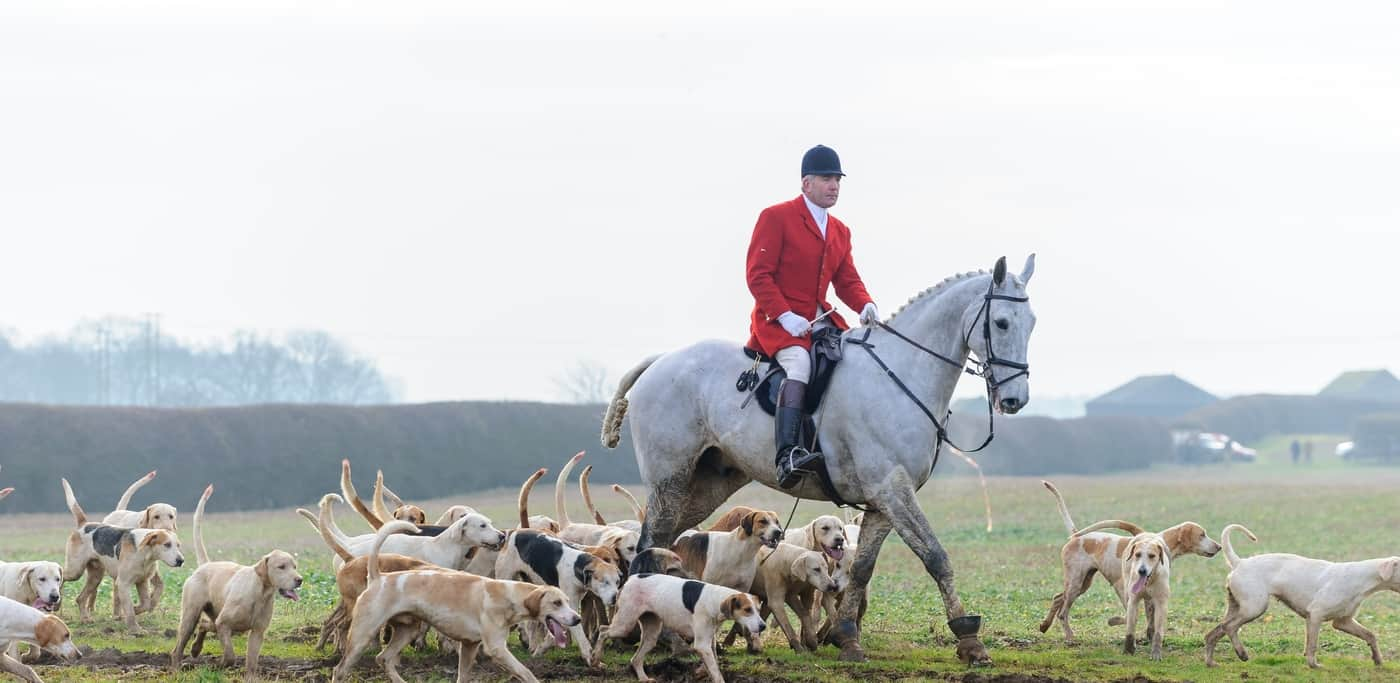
x: 25, y: 573
x: 146, y: 519
x: 1388, y: 568
x: 50, y: 631
x: 999, y: 272
x: 730, y: 606
x: 534, y: 601
x: 747, y: 523
x: 154, y: 539
x: 262, y: 571
x: 812, y: 535
x: 174, y: 520
x: 799, y: 567
x: 1028, y: 270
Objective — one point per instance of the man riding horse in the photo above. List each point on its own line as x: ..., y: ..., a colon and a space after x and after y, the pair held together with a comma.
x: 796, y: 251
x: 697, y: 442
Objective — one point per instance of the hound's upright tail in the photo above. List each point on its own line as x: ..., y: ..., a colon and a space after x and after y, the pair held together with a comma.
x: 1064, y: 509
x: 1231, y: 558
x: 612, y: 420
x: 125, y: 500
x: 201, y: 555
x: 78, y: 515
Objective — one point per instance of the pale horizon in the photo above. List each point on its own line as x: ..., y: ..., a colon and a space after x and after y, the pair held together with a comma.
x: 479, y: 196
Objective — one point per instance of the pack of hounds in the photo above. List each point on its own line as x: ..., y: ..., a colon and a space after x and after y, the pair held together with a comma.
x: 557, y: 582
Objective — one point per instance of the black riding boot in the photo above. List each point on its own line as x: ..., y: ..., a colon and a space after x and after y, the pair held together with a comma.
x: 792, y: 458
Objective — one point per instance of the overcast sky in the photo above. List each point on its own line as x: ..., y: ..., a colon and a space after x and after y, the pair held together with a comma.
x: 480, y: 195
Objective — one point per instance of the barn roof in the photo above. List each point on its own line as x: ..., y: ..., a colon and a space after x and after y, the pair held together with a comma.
x: 1368, y: 384
x: 1156, y: 389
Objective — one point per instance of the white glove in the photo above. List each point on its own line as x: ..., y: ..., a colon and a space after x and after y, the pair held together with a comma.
x: 795, y: 324
x: 869, y: 315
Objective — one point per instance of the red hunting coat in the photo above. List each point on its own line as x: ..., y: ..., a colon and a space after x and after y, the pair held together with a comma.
x: 789, y: 269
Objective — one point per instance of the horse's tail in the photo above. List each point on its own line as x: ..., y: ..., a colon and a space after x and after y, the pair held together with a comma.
x: 1231, y: 558
x: 612, y: 421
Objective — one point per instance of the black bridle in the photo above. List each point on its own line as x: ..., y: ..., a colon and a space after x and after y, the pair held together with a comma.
x: 980, y: 368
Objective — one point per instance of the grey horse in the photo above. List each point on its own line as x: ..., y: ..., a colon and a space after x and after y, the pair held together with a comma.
x: 696, y: 445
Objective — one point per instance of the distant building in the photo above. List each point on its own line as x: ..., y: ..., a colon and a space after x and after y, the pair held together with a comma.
x: 1369, y: 385
x: 1151, y: 396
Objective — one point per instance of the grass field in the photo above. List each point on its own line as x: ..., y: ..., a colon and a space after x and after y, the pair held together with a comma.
x: 1328, y: 510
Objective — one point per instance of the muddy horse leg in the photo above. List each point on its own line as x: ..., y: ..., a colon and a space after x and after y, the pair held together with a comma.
x: 912, y: 525
x: 664, y: 505
x: 685, y: 499
x: 846, y: 631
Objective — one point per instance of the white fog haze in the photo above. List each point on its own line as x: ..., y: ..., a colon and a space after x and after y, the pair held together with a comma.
x: 481, y: 197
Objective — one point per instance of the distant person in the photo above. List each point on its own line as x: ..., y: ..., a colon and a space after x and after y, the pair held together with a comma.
x: 1295, y: 449
x: 796, y: 252
x: 1307, y: 451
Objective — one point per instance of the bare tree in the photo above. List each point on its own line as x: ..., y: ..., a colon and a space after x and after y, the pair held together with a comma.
x: 586, y: 382
x: 115, y: 356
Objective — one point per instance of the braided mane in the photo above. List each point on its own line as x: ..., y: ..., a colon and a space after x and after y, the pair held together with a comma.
x: 934, y: 290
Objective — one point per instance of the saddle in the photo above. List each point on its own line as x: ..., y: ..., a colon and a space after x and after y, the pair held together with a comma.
x: 826, y: 353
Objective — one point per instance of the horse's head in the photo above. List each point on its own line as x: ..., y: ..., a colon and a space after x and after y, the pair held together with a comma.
x: 997, y: 327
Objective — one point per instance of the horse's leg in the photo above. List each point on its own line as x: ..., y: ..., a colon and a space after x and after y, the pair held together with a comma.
x: 911, y: 523
x: 664, y: 505
x: 846, y: 632
x: 708, y: 490
x: 686, y: 498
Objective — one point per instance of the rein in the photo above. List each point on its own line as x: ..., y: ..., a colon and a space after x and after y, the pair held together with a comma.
x: 982, y: 368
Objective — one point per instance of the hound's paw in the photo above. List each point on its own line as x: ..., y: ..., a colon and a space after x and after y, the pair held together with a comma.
x: 972, y: 652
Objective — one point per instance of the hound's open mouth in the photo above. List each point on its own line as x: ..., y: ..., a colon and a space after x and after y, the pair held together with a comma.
x: 45, y: 606
x: 556, y: 629
x: 1140, y: 584
x: 289, y: 593
x: 836, y: 553
x: 773, y: 542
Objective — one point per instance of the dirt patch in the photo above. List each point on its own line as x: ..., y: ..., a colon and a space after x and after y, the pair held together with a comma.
x: 143, y: 665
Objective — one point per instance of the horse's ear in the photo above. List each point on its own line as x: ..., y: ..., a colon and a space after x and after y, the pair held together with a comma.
x: 999, y: 272
x: 1028, y: 270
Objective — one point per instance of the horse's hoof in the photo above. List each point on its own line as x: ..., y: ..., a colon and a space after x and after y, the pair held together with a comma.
x: 972, y: 652
x: 852, y: 652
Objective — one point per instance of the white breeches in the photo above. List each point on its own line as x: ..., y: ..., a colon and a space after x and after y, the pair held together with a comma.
x: 796, y: 362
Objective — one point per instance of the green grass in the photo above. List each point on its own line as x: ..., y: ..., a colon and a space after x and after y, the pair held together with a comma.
x: 1330, y: 510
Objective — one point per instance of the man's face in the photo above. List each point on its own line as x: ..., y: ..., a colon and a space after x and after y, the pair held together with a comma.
x: 822, y: 190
